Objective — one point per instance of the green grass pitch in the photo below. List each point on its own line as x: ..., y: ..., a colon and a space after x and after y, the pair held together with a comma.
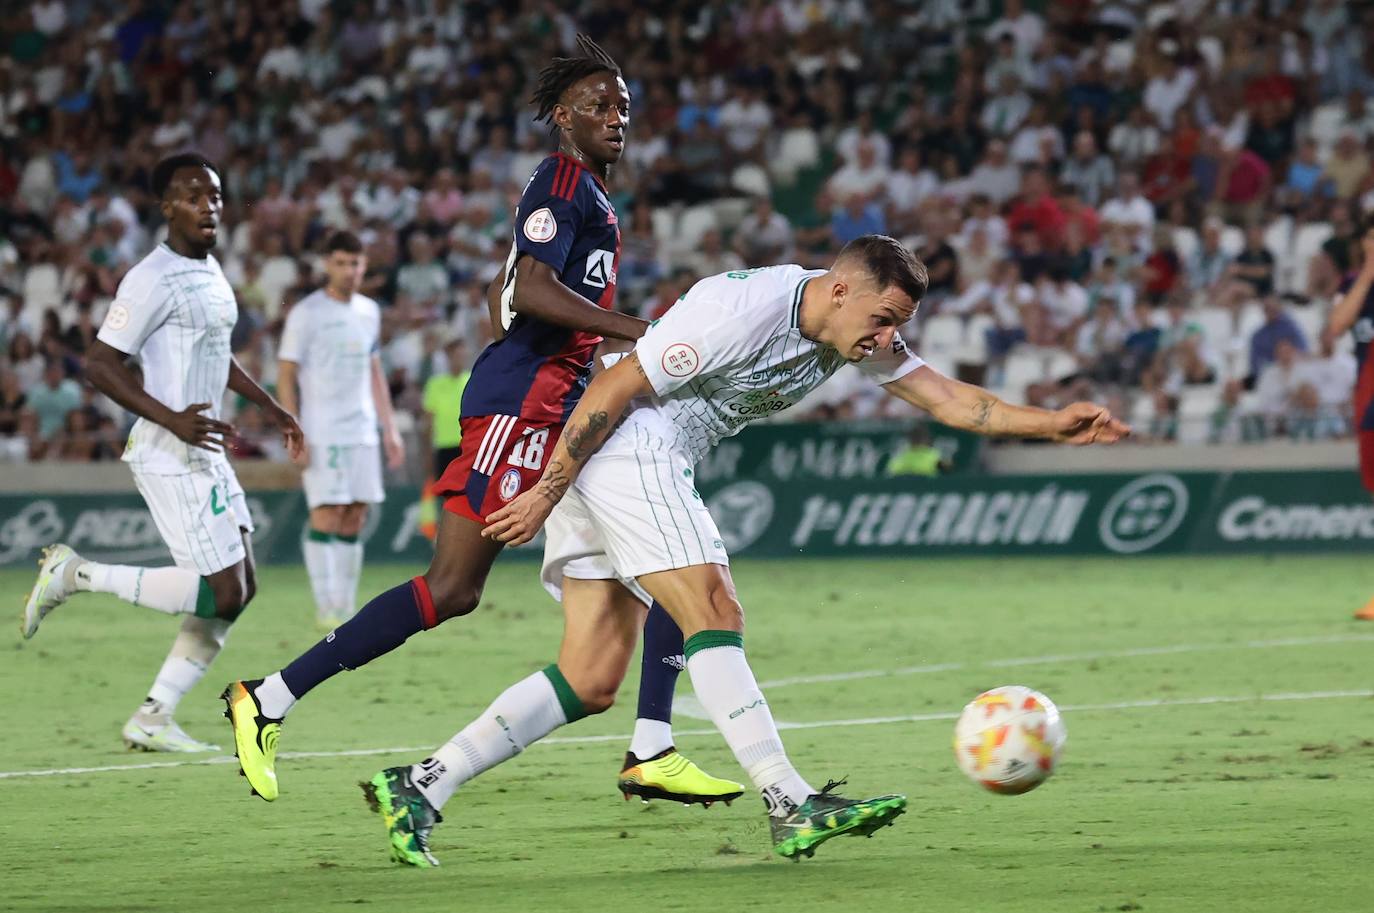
x: 1206, y: 795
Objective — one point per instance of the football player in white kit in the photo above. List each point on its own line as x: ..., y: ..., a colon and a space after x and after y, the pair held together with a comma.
x: 175, y: 311
x: 329, y: 349
x: 740, y: 346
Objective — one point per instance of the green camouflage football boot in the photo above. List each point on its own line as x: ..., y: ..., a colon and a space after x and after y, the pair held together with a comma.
x: 825, y: 815
x: 407, y: 814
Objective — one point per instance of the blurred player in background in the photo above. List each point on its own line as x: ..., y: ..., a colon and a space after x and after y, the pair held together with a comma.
x: 329, y: 348
x: 554, y: 306
x: 175, y: 311
x: 1354, y: 312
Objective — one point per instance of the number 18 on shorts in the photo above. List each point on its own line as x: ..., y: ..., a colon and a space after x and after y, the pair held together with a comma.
x: 500, y: 456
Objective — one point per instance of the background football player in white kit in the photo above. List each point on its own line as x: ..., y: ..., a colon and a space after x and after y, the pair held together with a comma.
x: 329, y: 349
x: 739, y: 347
x: 175, y: 311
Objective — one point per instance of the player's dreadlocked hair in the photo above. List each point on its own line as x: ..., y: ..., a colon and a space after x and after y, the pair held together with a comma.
x: 562, y: 72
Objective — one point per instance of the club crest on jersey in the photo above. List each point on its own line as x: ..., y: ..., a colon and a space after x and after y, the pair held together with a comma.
x: 680, y: 360
x: 541, y: 226
x: 510, y: 484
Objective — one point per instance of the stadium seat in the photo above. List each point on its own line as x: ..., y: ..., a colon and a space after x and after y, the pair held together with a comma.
x: 941, y: 334
x: 1218, y: 326
x: 1312, y: 318
x: 1196, y: 407
x: 1060, y: 363
x: 1023, y: 366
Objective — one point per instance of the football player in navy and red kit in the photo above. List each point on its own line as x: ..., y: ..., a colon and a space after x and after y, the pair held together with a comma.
x: 556, y: 297
x: 1354, y: 311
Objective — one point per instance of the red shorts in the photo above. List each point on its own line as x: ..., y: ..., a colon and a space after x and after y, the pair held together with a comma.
x: 1364, y: 397
x: 499, y: 457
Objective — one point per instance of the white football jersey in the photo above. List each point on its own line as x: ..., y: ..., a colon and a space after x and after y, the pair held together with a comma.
x: 176, y: 314
x: 333, y: 343
x: 732, y: 352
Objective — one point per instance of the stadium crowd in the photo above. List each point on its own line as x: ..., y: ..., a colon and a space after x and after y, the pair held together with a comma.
x: 1151, y: 203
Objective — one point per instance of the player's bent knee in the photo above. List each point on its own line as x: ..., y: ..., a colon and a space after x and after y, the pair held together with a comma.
x: 231, y: 596
x: 726, y: 614
x: 453, y: 600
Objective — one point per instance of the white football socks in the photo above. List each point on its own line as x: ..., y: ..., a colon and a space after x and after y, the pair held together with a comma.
x: 348, y: 567
x: 196, y: 646
x: 274, y: 698
x: 172, y: 590
x: 319, y: 567
x: 523, y: 714
x: 651, y: 737
x: 725, y: 685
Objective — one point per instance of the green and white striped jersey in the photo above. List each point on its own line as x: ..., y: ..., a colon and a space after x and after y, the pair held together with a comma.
x: 176, y: 314
x: 731, y: 352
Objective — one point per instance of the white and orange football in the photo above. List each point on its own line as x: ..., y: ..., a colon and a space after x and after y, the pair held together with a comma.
x: 1008, y: 739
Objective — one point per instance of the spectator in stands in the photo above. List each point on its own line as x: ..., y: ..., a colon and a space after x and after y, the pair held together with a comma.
x: 1037, y: 210
x: 52, y: 398
x: 1130, y: 210
x: 1348, y: 167
x: 1005, y: 111
x: 764, y: 235
x: 1089, y: 172
x: 1254, y: 265
x: 423, y: 281
x: 995, y: 175
x: 1098, y: 342
x: 1278, y: 327
x: 712, y: 256
x: 24, y: 360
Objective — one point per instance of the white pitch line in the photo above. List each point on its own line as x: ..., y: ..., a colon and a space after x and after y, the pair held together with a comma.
x: 1068, y: 657
x: 818, y: 724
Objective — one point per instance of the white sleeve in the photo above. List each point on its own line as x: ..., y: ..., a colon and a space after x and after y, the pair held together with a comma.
x: 141, y: 305
x: 292, y: 347
x: 886, y: 365
x: 696, y: 336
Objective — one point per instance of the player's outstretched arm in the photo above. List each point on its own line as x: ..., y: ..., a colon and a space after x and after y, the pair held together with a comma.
x: 600, y: 410
x: 538, y: 293
x: 108, y: 373
x: 960, y: 405
x: 245, y: 386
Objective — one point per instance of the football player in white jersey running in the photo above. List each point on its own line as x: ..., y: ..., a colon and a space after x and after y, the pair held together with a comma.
x: 175, y: 311
x: 740, y: 346
x: 329, y: 349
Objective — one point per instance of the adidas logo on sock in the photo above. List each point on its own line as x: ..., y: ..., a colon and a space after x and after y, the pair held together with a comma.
x: 678, y: 662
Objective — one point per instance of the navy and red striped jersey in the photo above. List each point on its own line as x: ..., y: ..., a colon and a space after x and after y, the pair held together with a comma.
x: 537, y: 370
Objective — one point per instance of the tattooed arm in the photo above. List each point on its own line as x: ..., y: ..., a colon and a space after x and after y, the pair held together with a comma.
x: 600, y: 410
x: 960, y: 405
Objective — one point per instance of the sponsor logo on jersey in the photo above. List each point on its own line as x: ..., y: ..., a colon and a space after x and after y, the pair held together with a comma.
x: 510, y: 484
x: 680, y: 360
x: 541, y: 226
x: 600, y: 268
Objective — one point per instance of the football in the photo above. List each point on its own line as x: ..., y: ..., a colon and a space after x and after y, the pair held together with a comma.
x: 1008, y: 739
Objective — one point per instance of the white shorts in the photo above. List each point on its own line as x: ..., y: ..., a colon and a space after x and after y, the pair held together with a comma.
x: 344, y: 474
x: 200, y: 515
x: 629, y: 513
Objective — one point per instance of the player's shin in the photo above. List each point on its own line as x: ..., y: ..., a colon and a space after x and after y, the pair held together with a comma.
x: 380, y: 627
x: 197, y: 644
x: 523, y: 714
x: 661, y: 664
x: 348, y: 567
x: 173, y: 590
x: 320, y: 567
x: 725, y: 685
